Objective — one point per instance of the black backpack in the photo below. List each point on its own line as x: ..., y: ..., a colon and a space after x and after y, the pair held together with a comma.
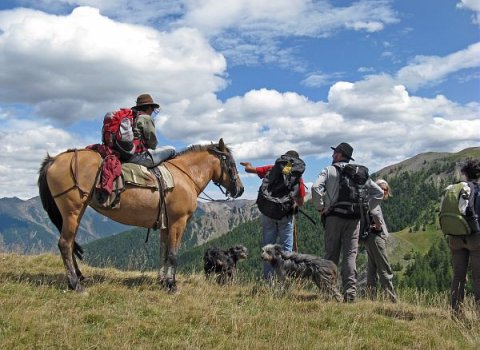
x: 352, y: 202
x: 276, y: 195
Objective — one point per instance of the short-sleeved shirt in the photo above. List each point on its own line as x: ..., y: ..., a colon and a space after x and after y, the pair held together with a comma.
x: 263, y: 170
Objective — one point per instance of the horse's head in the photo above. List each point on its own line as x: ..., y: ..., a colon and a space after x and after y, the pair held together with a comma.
x: 228, y: 175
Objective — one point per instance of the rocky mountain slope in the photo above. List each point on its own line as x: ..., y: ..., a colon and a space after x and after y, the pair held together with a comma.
x: 214, y: 219
x: 26, y: 228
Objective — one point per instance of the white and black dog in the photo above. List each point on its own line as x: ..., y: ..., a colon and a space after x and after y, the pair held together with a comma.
x: 290, y: 264
x: 223, y: 263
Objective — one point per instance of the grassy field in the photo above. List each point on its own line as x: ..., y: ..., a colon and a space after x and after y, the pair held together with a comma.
x: 404, y: 242
x: 127, y: 310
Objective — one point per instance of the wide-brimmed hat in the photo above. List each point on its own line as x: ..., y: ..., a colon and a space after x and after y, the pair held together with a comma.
x: 145, y: 100
x: 345, y: 149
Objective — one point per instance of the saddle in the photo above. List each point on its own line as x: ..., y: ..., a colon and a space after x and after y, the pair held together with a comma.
x: 157, y: 179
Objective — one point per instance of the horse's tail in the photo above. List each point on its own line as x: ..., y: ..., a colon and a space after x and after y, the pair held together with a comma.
x: 49, y: 204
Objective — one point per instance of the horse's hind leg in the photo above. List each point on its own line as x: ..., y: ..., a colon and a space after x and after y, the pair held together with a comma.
x: 65, y: 244
x: 77, y: 269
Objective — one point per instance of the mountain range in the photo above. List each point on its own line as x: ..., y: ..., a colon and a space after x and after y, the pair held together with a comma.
x: 25, y: 227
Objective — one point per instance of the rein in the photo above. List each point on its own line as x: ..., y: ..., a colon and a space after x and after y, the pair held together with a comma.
x: 222, y: 159
x: 188, y: 175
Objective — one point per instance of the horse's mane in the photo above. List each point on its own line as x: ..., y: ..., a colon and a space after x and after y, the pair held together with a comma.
x: 201, y: 148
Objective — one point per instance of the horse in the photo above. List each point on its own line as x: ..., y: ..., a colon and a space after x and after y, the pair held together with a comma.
x: 67, y: 181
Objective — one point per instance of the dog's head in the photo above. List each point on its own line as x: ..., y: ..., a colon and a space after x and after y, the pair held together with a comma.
x: 239, y: 252
x: 271, y: 252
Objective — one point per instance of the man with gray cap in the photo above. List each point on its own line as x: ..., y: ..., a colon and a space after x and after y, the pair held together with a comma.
x: 331, y: 198
x: 145, y: 138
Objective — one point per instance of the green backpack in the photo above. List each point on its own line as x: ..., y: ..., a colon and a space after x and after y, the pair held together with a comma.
x: 452, y: 220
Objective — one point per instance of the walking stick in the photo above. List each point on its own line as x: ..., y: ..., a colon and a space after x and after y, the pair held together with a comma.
x: 295, y: 234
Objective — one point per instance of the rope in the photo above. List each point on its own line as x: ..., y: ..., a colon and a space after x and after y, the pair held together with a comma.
x: 74, y: 172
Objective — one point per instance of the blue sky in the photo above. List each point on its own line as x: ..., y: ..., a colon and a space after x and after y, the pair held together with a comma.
x: 392, y: 78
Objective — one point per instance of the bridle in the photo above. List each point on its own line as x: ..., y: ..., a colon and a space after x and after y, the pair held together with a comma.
x: 226, y: 165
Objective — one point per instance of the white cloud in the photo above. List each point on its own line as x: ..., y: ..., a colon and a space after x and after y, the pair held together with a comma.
x: 246, y: 31
x: 473, y: 5
x: 23, y: 145
x: 376, y: 113
x: 319, y: 79
x: 427, y: 69
x: 68, y: 67
x: 255, y: 23
x: 368, y: 26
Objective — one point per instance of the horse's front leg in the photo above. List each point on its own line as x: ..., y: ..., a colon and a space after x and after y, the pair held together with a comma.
x: 163, y: 256
x: 175, y: 233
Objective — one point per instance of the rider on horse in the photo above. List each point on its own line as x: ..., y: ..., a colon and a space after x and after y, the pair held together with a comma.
x: 146, y: 151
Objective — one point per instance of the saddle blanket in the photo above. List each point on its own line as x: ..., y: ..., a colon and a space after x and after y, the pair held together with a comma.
x: 135, y: 175
x: 139, y: 175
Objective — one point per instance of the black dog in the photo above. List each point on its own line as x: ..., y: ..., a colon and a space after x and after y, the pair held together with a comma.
x: 223, y: 263
x: 322, y: 272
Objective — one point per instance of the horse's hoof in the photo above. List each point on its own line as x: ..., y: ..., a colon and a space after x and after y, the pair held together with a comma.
x: 81, y: 290
x: 169, y: 285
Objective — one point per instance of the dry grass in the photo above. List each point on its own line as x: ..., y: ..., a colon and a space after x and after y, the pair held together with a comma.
x: 127, y: 310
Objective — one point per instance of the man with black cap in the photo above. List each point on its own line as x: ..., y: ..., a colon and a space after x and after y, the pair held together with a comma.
x: 341, y: 227
x: 146, y: 151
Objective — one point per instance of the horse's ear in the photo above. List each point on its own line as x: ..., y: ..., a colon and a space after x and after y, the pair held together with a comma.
x: 221, y: 145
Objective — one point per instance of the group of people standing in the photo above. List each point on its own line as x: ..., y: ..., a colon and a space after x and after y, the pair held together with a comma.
x: 342, y: 227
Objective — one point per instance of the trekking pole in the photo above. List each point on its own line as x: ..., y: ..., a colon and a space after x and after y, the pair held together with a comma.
x: 295, y: 234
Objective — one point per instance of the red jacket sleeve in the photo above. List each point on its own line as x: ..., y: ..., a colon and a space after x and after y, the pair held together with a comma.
x: 263, y: 170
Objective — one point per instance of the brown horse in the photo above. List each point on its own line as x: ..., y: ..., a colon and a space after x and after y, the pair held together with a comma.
x: 66, y: 183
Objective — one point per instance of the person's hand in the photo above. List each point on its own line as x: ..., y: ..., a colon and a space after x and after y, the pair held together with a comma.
x: 248, y: 167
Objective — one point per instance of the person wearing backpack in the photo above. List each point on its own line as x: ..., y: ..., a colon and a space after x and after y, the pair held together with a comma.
x: 378, y: 267
x: 343, y: 193
x: 145, y: 138
x: 465, y: 248
x: 281, y: 193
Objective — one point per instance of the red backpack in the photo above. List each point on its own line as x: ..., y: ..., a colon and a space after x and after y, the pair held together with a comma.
x: 117, y: 132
